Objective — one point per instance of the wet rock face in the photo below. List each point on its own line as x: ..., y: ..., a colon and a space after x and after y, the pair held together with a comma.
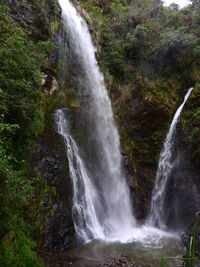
x: 144, y: 183
x: 50, y: 160
x: 143, y: 121
x: 187, y: 175
x: 35, y: 17
x: 58, y: 228
x: 140, y: 184
x: 186, y: 188
x: 182, y: 198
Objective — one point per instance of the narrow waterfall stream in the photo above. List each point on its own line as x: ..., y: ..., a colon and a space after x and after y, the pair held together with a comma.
x: 165, y: 166
x: 85, y: 218
x: 101, y: 208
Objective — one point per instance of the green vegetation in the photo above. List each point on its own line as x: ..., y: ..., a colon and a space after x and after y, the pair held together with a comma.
x: 191, y: 122
x: 21, y: 119
x: 189, y: 259
x: 20, y: 84
x: 149, y: 54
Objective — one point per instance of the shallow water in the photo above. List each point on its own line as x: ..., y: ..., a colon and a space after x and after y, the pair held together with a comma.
x: 147, y: 246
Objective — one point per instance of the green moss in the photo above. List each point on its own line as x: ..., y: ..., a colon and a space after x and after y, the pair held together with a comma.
x: 50, y: 214
x: 195, y: 133
x: 46, y: 187
x: 62, y: 98
x: 50, y: 201
x: 53, y: 189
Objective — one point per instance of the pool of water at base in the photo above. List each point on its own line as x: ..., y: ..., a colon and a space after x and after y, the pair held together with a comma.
x: 147, y: 247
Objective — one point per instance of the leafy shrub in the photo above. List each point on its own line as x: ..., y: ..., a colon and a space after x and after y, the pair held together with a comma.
x: 20, y: 119
x: 20, y: 82
x: 136, y: 41
x: 178, y: 50
x: 18, y: 250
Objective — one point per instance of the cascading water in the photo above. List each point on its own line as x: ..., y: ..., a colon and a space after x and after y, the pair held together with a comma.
x: 101, y: 199
x: 85, y: 199
x: 165, y: 167
x: 85, y: 218
x: 101, y: 202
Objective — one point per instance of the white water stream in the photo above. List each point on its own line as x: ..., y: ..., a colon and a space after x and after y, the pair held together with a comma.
x: 114, y: 195
x: 165, y: 167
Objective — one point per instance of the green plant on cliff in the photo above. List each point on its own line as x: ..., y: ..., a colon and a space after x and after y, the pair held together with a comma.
x: 20, y: 83
x: 178, y: 50
x: 137, y: 41
x: 189, y: 259
x: 16, y: 194
x: 20, y: 119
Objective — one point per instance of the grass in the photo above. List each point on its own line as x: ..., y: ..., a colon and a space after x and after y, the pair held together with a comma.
x: 189, y: 260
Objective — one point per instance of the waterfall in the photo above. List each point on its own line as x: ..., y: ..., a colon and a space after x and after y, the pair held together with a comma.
x: 84, y: 194
x: 164, y: 170
x: 101, y: 198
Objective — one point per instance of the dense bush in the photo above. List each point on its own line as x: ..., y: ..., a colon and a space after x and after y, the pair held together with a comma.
x: 136, y: 41
x: 20, y: 83
x: 20, y: 119
x: 178, y: 50
x: 16, y: 193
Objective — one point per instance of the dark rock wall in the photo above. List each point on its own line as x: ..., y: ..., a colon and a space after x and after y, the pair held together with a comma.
x: 50, y: 160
